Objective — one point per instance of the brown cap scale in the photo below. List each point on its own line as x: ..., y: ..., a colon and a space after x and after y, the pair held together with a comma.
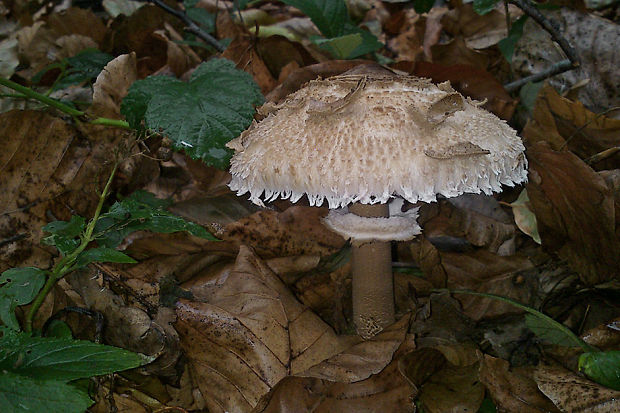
x: 359, y: 139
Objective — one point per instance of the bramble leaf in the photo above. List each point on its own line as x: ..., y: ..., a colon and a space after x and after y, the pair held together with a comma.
x: 603, y: 367
x: 199, y: 116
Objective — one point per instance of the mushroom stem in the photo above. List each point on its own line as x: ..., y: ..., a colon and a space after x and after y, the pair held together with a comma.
x: 373, y: 286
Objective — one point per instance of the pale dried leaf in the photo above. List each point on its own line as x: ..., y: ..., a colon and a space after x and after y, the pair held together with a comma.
x: 112, y: 85
x: 576, y: 394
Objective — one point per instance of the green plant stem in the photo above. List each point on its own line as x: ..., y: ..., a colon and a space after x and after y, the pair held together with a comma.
x: 29, y: 93
x: 559, y: 326
x: 65, y: 265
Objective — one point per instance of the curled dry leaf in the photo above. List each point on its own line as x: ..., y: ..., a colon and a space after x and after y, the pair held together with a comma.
x: 564, y: 123
x: 573, y: 393
x: 605, y: 336
x: 512, y: 390
x: 243, y: 52
x: 245, y: 331
x: 112, y: 85
x: 77, y: 21
x: 297, y: 231
x: 574, y: 208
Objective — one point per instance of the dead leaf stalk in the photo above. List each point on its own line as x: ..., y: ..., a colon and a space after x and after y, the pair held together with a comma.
x: 192, y: 27
x: 572, y: 61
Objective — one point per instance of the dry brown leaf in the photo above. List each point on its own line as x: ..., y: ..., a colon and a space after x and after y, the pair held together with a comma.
x: 245, y: 331
x: 453, y: 389
x: 297, y: 231
x: 566, y: 123
x: 242, y: 51
x: 510, y: 390
x: 482, y: 271
x: 112, y: 85
x: 575, y: 394
x: 77, y: 21
x: 456, y: 52
x: 605, y: 336
x: 387, y: 391
x: 595, y: 42
x: 574, y: 209
x: 279, y: 52
x: 472, y: 81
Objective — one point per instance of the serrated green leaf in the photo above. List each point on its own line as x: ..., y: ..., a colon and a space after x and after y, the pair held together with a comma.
x: 102, y: 254
x: 63, y: 359
x: 329, y: 16
x: 508, y: 44
x: 142, y: 211
x: 484, y: 6
x: 64, y: 234
x: 547, y: 332
x: 199, y: 116
x: 423, y: 6
x: 25, y: 394
x: 19, y: 287
x: 602, y: 367
x: 85, y: 65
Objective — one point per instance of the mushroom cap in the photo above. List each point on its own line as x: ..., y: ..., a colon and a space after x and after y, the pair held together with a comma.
x: 368, y: 138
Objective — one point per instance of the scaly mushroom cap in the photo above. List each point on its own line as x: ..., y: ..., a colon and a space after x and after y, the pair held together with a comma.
x: 367, y: 138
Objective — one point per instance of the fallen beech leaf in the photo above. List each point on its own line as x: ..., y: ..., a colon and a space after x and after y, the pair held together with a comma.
x: 8, y: 57
x: 296, y: 231
x: 592, y: 37
x: 565, y: 123
x: 77, y: 21
x: 471, y: 81
x: 605, y: 336
x: 479, y: 271
x: 453, y: 389
x: 308, y: 73
x: 573, y: 393
x: 574, y: 208
x: 457, y: 52
x: 111, y: 86
x: 510, y: 390
x: 242, y: 51
x: 387, y: 391
x: 245, y: 332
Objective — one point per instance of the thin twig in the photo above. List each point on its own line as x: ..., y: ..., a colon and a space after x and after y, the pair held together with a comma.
x: 571, y: 63
x: 192, y: 27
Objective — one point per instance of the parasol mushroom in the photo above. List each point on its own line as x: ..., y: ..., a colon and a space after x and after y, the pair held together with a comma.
x: 358, y: 140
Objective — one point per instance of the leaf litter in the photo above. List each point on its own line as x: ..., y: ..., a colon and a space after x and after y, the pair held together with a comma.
x: 260, y: 321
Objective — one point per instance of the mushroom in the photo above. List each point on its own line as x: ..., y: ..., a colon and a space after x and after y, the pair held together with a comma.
x: 357, y: 140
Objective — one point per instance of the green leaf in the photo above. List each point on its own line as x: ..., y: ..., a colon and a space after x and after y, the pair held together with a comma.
x: 423, y: 6
x: 528, y: 95
x: 199, y: 116
x: 102, y: 254
x: 547, y: 332
x: 487, y: 406
x: 329, y: 16
x: 603, y: 367
x: 484, y: 6
x: 142, y: 211
x: 201, y: 16
x: 341, y: 47
x: 84, y: 66
x: 19, y: 286
x: 63, y: 359
x: 58, y: 329
x: 26, y: 394
x: 64, y: 234
x: 507, y: 45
